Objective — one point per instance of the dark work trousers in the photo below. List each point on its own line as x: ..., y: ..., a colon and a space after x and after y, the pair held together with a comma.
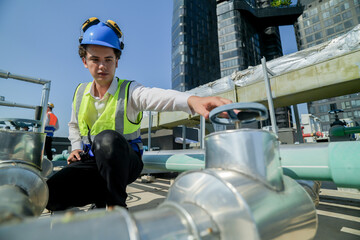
x: 48, y: 145
x: 101, y: 180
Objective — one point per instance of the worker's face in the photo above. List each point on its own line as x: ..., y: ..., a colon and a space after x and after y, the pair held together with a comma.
x: 101, y: 62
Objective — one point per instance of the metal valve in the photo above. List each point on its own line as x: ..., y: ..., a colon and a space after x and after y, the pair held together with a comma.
x: 247, y: 113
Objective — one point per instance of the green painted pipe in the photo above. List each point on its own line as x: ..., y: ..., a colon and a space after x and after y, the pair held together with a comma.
x: 340, y: 131
x: 338, y: 162
x: 174, y: 160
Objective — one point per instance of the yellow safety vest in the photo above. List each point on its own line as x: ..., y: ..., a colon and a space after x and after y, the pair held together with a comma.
x: 114, y: 116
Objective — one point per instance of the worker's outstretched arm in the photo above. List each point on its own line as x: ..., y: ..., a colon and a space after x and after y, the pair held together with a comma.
x: 203, y: 105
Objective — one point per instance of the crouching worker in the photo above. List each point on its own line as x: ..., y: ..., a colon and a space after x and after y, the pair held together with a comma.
x: 104, y: 129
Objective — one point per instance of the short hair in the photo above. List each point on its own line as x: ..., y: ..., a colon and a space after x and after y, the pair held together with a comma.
x: 82, y: 51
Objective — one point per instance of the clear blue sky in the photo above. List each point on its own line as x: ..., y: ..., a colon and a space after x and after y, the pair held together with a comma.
x: 39, y: 38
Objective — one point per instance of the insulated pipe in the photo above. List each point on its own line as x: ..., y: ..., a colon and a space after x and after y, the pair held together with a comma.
x: 22, y: 173
x: 340, y: 131
x: 336, y: 161
x: 223, y: 201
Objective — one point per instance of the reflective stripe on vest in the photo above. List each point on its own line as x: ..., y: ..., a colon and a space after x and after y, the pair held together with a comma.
x: 114, y: 116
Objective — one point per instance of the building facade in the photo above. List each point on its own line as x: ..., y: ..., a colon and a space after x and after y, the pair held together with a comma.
x: 322, y: 21
x: 213, y: 39
x: 243, y: 37
x: 195, y: 55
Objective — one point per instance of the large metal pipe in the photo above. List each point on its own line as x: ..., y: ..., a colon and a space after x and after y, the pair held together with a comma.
x: 224, y: 201
x: 21, y: 175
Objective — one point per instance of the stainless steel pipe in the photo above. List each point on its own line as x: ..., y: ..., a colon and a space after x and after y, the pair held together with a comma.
x: 242, y: 194
x: 21, y: 175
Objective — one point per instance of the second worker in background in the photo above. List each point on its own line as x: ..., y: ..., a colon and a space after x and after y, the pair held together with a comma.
x: 51, y: 125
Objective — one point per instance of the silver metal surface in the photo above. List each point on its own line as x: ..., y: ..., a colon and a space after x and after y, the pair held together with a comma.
x: 29, y: 180
x: 21, y: 146
x: 312, y: 188
x: 251, y: 152
x: 46, y: 167
x: 96, y: 224
x: 14, y: 205
x: 246, y: 209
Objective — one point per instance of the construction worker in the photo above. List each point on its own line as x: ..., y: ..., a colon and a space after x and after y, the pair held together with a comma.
x: 51, y: 125
x: 104, y: 129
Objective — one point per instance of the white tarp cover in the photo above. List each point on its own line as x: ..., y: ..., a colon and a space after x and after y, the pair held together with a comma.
x: 336, y: 47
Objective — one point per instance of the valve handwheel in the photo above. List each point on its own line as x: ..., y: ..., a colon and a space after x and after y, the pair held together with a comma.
x: 248, y: 113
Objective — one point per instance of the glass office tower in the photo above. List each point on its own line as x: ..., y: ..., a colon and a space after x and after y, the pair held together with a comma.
x: 320, y: 22
x: 195, y: 55
x: 214, y: 38
x: 248, y: 30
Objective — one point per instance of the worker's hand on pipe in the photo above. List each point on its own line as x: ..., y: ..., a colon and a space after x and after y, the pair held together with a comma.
x: 203, y: 105
x: 74, y: 156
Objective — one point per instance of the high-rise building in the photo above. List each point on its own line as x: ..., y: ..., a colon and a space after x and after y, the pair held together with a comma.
x: 248, y: 30
x: 324, y: 20
x: 195, y: 55
x: 214, y: 38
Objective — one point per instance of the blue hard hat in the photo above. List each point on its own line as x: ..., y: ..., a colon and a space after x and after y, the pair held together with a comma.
x: 101, y: 34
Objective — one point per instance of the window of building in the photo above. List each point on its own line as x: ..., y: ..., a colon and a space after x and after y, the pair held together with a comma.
x: 318, y: 35
x: 356, y: 2
x: 312, y: 110
x: 344, y: 6
x: 337, y: 19
x: 357, y: 114
x: 325, y: 118
x: 310, y: 38
x: 348, y: 24
x: 333, y: 106
x: 229, y: 63
x: 339, y: 27
x: 335, y: 11
x: 330, y: 31
x: 317, y: 27
x: 326, y: 15
x: 306, y: 23
x: 325, y: 128
x: 315, y: 19
x: 333, y: 3
x: 308, y: 30
x: 345, y: 105
x: 355, y: 103
x: 347, y: 114
x: 324, y: 108
x: 328, y: 22
x: 346, y: 15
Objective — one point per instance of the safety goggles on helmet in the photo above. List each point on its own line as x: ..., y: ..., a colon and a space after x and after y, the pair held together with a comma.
x: 99, y: 33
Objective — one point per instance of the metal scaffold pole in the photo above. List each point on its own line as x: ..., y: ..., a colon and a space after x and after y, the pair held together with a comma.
x: 269, y: 96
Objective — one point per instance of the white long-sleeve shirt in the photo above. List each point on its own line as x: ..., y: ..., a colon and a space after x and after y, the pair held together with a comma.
x: 140, y: 99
